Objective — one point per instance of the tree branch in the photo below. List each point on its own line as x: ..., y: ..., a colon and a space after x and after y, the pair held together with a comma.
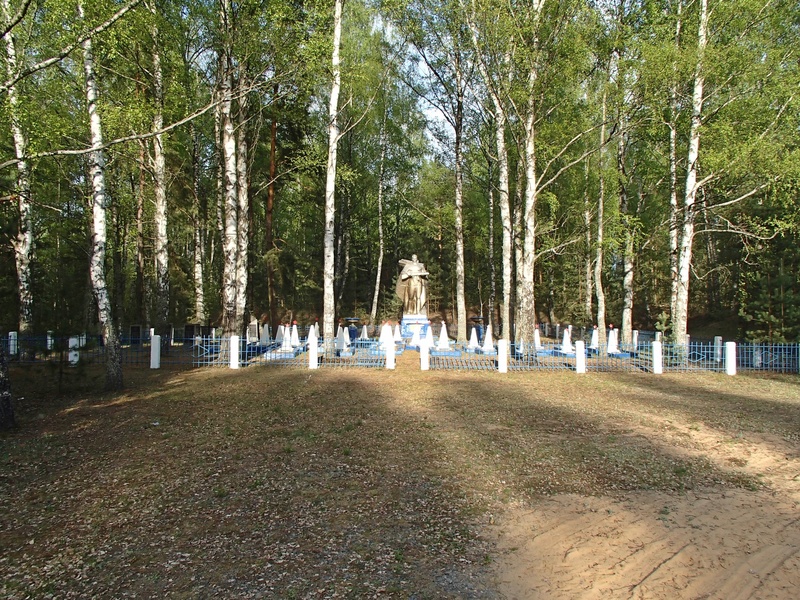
x: 66, y: 50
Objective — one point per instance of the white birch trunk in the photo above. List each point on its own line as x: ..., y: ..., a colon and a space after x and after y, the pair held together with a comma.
x: 674, y: 217
x: 598, y: 259
x: 243, y: 229
x: 160, y: 192
x: 461, y: 304
x: 328, y: 309
x: 379, y: 267
x: 492, y: 267
x: 219, y: 204
x: 230, y: 320
x: 526, y: 299
x: 199, y: 257
x: 97, y: 269
x: 505, y: 216
x: 23, y: 240
x: 680, y: 316
x: 587, y: 264
x: 502, y: 183
x: 626, y: 325
x: 199, y: 245
x: 517, y: 241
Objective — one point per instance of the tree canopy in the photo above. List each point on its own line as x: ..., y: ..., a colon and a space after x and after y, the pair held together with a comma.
x: 623, y: 161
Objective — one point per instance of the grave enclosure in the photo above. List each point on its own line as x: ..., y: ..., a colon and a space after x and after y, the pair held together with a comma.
x: 357, y: 346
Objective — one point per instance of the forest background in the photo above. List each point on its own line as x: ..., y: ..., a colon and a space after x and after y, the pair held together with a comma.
x: 591, y: 162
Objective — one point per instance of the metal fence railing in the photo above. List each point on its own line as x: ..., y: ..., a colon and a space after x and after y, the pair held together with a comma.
x: 210, y: 351
x: 548, y: 356
x: 774, y: 358
x: 693, y: 357
x: 460, y: 357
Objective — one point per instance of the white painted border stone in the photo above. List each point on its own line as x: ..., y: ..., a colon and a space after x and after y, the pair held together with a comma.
x: 502, y: 355
x: 390, y: 356
x: 580, y: 357
x: 233, y: 351
x: 658, y: 359
x: 155, y: 352
x: 730, y: 358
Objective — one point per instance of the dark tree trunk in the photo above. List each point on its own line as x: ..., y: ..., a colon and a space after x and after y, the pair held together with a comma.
x: 7, y: 420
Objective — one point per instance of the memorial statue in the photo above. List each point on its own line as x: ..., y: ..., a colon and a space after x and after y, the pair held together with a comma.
x: 412, y: 286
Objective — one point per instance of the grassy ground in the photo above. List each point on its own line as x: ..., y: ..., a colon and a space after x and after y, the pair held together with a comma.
x: 296, y: 484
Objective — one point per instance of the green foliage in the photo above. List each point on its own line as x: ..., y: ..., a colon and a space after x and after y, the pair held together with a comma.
x: 745, y: 257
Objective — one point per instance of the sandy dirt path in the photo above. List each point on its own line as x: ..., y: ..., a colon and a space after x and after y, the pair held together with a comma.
x: 726, y: 545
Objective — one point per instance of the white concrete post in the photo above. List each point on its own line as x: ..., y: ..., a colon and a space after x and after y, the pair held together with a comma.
x: 717, y: 348
x: 155, y: 352
x: 658, y: 359
x: 233, y: 349
x: 390, y: 356
x: 313, y: 353
x: 13, y: 346
x: 658, y: 336
x: 730, y: 358
x: 635, y: 339
x: 580, y: 357
x: 502, y: 355
x: 424, y: 357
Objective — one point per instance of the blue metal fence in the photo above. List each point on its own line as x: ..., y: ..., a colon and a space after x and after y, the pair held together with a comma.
x: 693, y: 357
x: 207, y: 351
x: 461, y: 357
x: 775, y: 358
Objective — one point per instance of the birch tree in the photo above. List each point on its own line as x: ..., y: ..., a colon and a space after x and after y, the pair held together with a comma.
x: 680, y: 316
x: 23, y: 240
x: 328, y: 300
x: 100, y: 200
x: 159, y: 183
x: 232, y: 321
x: 499, y: 112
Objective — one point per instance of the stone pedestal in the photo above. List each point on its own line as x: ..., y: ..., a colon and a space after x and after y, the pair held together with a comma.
x: 412, y: 323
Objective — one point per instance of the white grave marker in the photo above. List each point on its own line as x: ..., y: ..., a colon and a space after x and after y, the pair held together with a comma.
x: 341, y: 340
x: 473, y: 340
x: 594, y: 343
x: 613, y: 345
x: 415, y: 339
x: 444, y: 341
x: 488, y: 342
x: 537, y: 340
x: 566, y: 342
x: 429, y: 341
